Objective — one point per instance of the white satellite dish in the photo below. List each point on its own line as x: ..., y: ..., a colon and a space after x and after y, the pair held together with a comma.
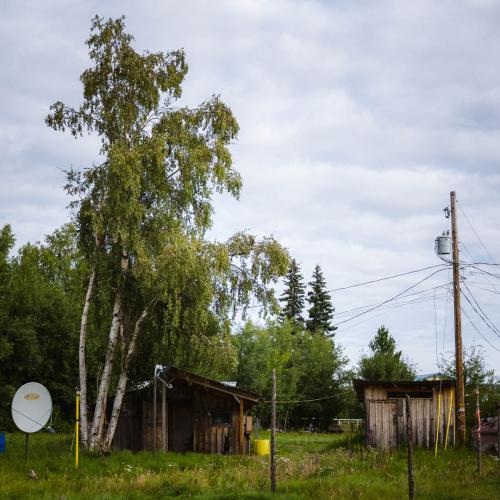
x: 31, y: 407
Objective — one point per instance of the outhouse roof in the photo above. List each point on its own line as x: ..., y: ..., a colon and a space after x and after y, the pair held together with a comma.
x: 193, y: 378
x: 190, y: 378
x: 400, y: 385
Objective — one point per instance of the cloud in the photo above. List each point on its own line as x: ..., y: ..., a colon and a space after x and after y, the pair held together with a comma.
x: 357, y: 119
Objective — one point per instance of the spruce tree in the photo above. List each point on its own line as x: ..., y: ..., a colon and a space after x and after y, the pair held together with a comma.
x: 385, y: 362
x: 293, y: 295
x: 321, y: 310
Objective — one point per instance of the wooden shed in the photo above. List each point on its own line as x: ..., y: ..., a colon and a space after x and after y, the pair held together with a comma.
x: 432, y: 406
x: 193, y: 413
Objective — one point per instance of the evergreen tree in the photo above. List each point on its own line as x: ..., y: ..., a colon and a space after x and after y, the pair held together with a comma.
x: 385, y: 363
x: 321, y: 310
x: 293, y: 295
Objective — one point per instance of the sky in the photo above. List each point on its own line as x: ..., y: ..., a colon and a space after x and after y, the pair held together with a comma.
x: 357, y: 120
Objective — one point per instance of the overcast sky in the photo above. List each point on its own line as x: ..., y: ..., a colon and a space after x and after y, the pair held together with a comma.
x: 357, y: 120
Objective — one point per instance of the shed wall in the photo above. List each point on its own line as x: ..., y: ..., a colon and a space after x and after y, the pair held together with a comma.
x: 188, y: 425
x: 386, y: 417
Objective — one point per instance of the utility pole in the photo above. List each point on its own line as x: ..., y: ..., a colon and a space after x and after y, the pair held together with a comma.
x: 459, y: 362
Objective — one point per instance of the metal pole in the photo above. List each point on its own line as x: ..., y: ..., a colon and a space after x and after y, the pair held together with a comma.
x: 409, y: 438
x: 154, y: 412
x: 273, y: 431
x: 26, y: 436
x: 478, y: 414
x: 459, y: 364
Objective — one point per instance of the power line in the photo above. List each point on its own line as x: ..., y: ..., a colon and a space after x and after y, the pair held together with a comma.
x: 479, y: 314
x: 478, y: 263
x: 360, y: 322
x: 385, y: 278
x: 485, y: 289
x: 392, y: 306
x: 406, y: 303
x: 478, y: 331
x: 481, y: 309
x: 392, y: 298
x: 475, y: 232
x: 366, y: 283
x: 346, y: 311
x: 311, y: 400
x: 485, y: 272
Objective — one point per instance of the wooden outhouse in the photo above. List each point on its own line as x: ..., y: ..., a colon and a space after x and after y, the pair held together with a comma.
x: 193, y: 413
x: 432, y: 410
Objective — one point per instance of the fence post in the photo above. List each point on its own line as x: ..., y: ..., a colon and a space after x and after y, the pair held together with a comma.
x: 498, y: 429
x: 478, y: 415
x: 409, y: 437
x: 273, y: 431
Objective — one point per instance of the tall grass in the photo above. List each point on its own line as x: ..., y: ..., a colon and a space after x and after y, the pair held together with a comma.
x: 309, y: 465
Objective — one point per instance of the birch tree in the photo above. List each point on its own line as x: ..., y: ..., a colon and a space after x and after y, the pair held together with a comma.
x: 144, y: 207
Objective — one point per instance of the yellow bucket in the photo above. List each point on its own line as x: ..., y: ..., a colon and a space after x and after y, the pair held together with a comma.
x: 262, y: 446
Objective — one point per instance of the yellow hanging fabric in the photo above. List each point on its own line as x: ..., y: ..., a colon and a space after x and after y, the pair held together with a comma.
x: 448, y: 423
x: 437, y: 425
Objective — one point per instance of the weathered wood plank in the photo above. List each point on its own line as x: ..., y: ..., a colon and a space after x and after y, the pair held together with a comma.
x: 240, y: 429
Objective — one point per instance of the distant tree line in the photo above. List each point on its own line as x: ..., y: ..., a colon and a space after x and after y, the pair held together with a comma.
x: 40, y: 300
x: 42, y: 288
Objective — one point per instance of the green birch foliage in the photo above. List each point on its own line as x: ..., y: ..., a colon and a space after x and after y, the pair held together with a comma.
x: 149, y: 198
x: 161, y: 163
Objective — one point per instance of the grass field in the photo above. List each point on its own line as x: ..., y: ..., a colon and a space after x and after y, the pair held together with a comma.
x: 309, y: 465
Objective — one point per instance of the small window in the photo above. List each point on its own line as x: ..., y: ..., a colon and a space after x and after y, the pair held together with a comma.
x: 221, y: 417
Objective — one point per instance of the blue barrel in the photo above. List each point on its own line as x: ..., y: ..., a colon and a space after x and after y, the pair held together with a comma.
x: 2, y: 442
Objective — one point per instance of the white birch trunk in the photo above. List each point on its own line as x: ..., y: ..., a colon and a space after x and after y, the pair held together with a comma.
x: 84, y: 428
x: 122, y: 383
x: 96, y: 433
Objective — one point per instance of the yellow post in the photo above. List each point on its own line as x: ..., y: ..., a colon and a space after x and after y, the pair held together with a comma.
x: 437, y: 425
x: 77, y: 426
x: 448, y: 423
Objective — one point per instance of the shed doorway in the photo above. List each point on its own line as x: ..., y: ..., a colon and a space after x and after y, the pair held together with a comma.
x: 180, y: 426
